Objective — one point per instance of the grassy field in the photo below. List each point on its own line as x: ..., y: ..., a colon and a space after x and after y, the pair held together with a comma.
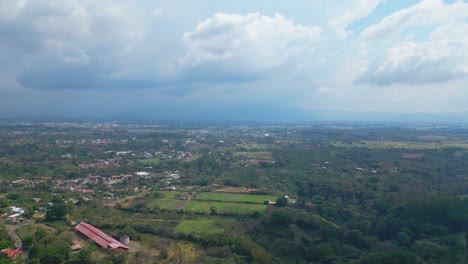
x: 150, y: 162
x: 204, y: 206
x: 28, y: 230
x: 204, y: 226
x: 401, y: 145
x: 234, y: 197
x: 165, y: 194
x: 255, y: 146
x: 261, y: 155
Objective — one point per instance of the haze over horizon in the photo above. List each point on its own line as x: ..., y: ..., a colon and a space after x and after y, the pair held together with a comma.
x: 361, y: 59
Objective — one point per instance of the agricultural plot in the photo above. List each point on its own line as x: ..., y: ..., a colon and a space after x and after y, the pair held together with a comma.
x: 255, y: 146
x: 163, y: 194
x: 234, y: 197
x: 400, y: 145
x: 261, y: 155
x: 210, y: 226
x: 171, y: 204
x: 150, y: 162
x: 204, y: 206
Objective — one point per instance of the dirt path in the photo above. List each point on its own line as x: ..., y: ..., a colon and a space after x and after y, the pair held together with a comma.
x: 12, y: 232
x: 18, y: 243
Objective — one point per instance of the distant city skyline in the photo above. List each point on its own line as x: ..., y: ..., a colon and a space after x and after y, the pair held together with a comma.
x: 299, y: 60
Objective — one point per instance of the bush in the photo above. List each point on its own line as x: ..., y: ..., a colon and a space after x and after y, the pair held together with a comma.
x: 281, y: 201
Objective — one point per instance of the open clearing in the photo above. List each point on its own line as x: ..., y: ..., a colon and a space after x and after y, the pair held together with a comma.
x: 234, y: 197
x: 211, y: 226
x: 261, y: 155
x: 401, y: 145
x: 255, y: 146
x: 204, y: 206
x: 150, y: 162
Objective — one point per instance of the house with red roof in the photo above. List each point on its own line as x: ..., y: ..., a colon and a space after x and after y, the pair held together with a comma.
x: 12, y: 253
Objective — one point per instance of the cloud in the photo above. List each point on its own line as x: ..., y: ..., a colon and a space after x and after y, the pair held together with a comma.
x: 76, y: 76
x: 427, y: 13
x: 146, y: 51
x: 361, y: 9
x: 10, y: 9
x: 419, y: 63
x: 244, y: 47
x: 440, y: 57
x: 103, y: 43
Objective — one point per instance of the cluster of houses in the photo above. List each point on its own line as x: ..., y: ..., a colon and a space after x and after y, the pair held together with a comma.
x: 101, y: 164
x: 88, y: 184
x: 16, y: 215
x: 173, y: 154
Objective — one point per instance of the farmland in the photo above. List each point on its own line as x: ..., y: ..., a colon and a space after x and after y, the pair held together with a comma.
x: 204, y: 206
x: 401, y: 145
x: 261, y: 155
x: 256, y: 146
x: 150, y: 162
x: 215, y: 225
x: 235, y: 197
x: 354, y: 193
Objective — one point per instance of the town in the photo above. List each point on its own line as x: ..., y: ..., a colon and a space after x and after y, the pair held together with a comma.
x: 157, y: 193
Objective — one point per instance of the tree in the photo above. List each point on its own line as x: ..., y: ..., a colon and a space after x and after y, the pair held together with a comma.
x: 54, y: 254
x: 213, y: 210
x: 399, y: 256
x: 427, y: 249
x: 403, y: 239
x: 260, y: 255
x: 280, y: 218
x: 57, y: 211
x: 281, y: 201
x: 82, y: 257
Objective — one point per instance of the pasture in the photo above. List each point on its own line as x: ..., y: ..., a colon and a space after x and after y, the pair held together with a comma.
x: 255, y: 146
x: 210, y: 226
x: 150, y: 162
x: 204, y: 206
x: 234, y: 197
x: 261, y: 155
x: 401, y: 145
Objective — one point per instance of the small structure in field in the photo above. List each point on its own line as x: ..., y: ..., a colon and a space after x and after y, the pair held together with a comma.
x: 124, y: 239
x: 76, y: 247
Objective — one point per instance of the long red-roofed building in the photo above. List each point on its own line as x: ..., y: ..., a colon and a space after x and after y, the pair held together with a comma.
x: 99, y: 237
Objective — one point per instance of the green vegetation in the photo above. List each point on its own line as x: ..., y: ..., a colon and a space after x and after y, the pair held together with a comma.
x: 401, y: 144
x: 261, y: 155
x: 362, y: 194
x: 204, y: 206
x: 210, y: 226
x: 234, y: 197
x: 150, y: 162
x: 250, y: 147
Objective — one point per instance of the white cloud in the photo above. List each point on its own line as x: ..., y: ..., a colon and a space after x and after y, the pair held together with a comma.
x: 439, y: 57
x: 106, y: 38
x: 360, y: 9
x: 417, y: 63
x: 426, y: 13
x: 9, y: 9
x: 217, y: 50
x: 78, y: 58
x: 251, y: 42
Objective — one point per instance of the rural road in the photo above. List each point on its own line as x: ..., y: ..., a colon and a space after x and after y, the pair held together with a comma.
x: 18, y: 243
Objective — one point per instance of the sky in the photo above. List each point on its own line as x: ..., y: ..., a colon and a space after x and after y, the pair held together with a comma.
x: 181, y: 59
